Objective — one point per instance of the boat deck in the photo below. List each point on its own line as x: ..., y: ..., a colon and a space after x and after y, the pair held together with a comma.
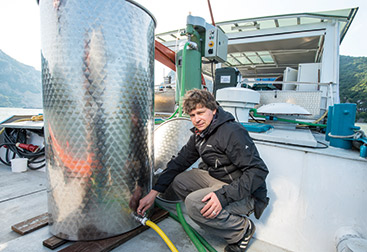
x: 23, y: 196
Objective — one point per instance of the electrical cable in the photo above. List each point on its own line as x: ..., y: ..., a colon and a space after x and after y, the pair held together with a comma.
x: 318, y: 120
x: 11, y: 139
x: 321, y: 147
x: 6, y: 161
x: 206, y: 61
x: 213, y: 79
x: 253, y: 118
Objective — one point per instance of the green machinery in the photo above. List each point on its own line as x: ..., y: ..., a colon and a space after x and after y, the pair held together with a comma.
x: 204, y: 40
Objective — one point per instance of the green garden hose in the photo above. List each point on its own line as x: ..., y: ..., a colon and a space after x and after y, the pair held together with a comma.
x: 182, y: 92
x: 209, y: 247
x: 254, y: 111
x: 187, y: 229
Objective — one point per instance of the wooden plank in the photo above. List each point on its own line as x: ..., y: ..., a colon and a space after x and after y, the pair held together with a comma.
x: 53, y: 242
x: 108, y: 244
x: 30, y: 225
x: 20, y: 209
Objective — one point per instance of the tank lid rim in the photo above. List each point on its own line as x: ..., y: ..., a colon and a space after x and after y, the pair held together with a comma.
x: 144, y: 9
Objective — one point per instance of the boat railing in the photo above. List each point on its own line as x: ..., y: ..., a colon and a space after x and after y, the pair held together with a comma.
x: 290, y: 82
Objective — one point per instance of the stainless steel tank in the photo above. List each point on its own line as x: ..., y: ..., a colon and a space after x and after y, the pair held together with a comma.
x: 98, y: 89
x: 169, y: 138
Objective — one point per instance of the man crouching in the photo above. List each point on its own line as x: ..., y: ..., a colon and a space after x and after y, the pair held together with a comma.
x: 230, y: 181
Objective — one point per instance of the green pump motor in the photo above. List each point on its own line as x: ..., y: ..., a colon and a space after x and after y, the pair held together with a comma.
x: 204, y: 40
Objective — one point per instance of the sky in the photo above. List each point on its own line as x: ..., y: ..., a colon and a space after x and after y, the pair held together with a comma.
x: 20, y: 25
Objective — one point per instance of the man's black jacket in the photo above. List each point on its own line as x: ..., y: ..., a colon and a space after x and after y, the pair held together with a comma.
x: 228, y: 154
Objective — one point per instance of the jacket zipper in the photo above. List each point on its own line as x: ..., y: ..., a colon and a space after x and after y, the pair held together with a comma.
x: 225, y: 168
x: 201, y: 144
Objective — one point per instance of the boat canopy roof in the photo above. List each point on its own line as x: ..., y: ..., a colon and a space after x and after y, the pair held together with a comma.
x: 263, y: 47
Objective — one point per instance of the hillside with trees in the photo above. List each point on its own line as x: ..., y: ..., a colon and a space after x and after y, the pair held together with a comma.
x: 20, y: 84
x: 353, y: 83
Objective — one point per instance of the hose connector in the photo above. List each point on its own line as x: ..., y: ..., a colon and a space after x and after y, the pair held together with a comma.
x: 140, y: 219
x: 146, y: 222
x: 193, y: 45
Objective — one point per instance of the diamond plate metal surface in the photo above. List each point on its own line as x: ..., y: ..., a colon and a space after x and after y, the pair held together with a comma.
x: 310, y: 100
x: 98, y: 89
x: 169, y: 138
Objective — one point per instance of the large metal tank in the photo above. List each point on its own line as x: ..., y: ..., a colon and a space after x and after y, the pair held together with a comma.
x: 169, y: 138
x: 98, y: 89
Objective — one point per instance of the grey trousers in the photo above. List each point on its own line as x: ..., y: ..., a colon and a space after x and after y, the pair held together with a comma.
x: 230, y: 224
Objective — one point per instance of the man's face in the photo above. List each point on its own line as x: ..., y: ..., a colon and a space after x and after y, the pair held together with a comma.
x: 201, y: 117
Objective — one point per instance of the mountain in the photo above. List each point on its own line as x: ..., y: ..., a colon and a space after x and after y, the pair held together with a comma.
x: 353, y: 83
x: 20, y: 85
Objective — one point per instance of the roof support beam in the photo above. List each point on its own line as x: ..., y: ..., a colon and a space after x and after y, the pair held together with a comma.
x: 274, y: 37
x: 274, y: 59
x: 246, y: 20
x: 235, y: 59
x: 330, y: 60
x: 280, y: 31
x: 247, y: 58
x: 257, y: 54
x: 276, y: 23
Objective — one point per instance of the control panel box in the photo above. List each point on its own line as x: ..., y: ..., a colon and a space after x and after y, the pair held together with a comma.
x: 216, y: 44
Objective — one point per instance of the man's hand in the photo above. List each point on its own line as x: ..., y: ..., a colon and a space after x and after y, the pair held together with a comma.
x: 146, y: 202
x: 212, y: 207
x: 135, y: 197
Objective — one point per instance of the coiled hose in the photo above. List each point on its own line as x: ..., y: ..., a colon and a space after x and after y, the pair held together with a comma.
x: 14, y: 136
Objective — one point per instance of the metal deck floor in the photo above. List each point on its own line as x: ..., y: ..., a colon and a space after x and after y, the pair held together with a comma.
x: 23, y: 196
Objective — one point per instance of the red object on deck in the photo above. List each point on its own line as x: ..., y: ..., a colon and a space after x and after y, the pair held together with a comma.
x: 29, y: 147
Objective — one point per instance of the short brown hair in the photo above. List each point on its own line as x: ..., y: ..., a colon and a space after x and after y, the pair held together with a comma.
x: 196, y: 97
